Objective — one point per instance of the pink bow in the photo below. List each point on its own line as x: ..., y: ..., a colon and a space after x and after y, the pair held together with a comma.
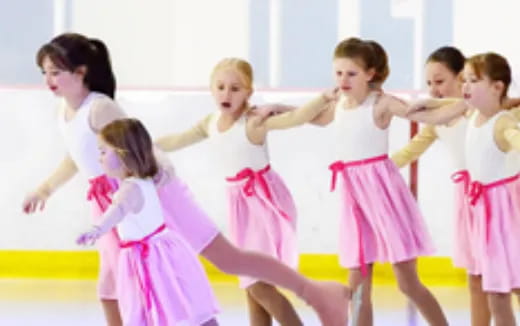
x: 336, y: 168
x: 253, y: 177
x: 101, y: 190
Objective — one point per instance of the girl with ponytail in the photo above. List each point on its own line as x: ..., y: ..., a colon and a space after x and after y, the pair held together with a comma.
x: 78, y: 69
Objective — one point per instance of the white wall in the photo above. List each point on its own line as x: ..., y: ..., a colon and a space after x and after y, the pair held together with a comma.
x: 483, y: 26
x: 165, y: 42
x: 32, y: 147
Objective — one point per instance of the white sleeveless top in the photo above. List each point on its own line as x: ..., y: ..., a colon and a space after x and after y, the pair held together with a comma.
x: 80, y: 139
x: 150, y: 218
x: 234, y: 150
x: 454, y: 138
x: 357, y: 136
x: 486, y: 162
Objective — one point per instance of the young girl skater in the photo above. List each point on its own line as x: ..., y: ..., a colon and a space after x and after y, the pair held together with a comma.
x: 491, y: 188
x: 79, y: 70
x: 160, y: 281
x: 380, y: 220
x: 261, y: 211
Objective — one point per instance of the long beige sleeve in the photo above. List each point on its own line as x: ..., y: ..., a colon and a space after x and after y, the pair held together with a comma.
x: 299, y: 116
x: 63, y: 173
x: 437, y: 111
x: 515, y: 111
x: 191, y: 136
x: 512, y: 136
x: 416, y: 147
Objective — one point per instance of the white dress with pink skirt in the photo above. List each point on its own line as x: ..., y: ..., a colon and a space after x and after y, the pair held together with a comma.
x: 160, y: 281
x: 493, y: 194
x: 82, y: 145
x: 380, y: 219
x: 262, y: 214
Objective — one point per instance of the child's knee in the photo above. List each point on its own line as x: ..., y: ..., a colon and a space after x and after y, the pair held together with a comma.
x: 409, y: 286
x: 261, y: 291
x: 499, y: 301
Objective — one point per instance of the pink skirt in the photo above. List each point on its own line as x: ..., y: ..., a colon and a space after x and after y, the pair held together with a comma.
x: 185, y: 217
x: 495, y: 215
x: 262, y: 216
x: 100, y: 194
x: 380, y: 220
x: 161, y: 282
x: 182, y: 215
x: 464, y: 240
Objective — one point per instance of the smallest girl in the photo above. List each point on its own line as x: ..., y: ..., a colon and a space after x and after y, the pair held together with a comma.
x: 160, y: 279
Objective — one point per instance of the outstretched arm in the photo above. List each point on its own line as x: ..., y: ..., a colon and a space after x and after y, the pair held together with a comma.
x: 104, y: 111
x: 63, y: 173
x: 430, y: 111
x: 304, y: 114
x: 416, y: 147
x: 438, y: 111
x: 266, y: 110
x: 177, y: 141
x: 127, y: 199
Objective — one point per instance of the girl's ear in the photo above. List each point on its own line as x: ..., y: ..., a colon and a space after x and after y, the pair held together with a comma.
x: 81, y: 71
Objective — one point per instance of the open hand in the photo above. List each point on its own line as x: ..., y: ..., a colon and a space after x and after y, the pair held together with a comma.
x: 34, y: 201
x: 90, y: 237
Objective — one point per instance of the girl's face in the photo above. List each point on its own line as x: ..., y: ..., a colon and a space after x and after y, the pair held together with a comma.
x: 441, y: 81
x: 110, y: 161
x: 229, y: 91
x: 61, y: 82
x: 481, y: 93
x: 351, y: 77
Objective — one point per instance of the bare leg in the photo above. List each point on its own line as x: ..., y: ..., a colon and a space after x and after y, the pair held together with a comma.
x: 356, y: 279
x: 258, y: 316
x: 329, y: 299
x: 480, y: 313
x: 411, y: 286
x: 501, y: 309
x: 275, y: 304
x: 112, y: 315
